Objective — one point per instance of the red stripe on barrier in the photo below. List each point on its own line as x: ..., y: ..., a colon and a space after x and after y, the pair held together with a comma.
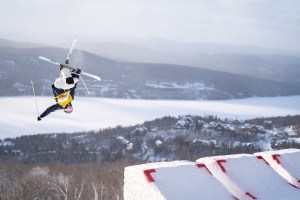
x: 203, y: 165
x: 261, y: 158
x: 219, y: 162
x: 250, y: 195
x: 148, y: 175
x: 275, y: 157
x: 294, y: 186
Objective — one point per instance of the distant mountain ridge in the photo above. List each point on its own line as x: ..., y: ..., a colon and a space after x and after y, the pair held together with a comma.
x: 130, y: 79
x: 18, y: 44
x: 270, y: 64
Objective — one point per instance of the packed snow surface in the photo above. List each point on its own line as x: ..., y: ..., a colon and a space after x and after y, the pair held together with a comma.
x: 286, y: 162
x: 172, y: 180
x: 18, y: 114
x: 242, y: 176
x: 246, y: 176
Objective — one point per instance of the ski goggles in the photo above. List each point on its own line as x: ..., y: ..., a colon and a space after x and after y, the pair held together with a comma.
x: 68, y: 109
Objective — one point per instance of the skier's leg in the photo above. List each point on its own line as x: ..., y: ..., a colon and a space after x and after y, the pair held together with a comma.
x: 52, y: 108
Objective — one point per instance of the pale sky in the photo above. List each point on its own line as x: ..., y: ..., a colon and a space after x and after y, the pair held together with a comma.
x: 264, y: 23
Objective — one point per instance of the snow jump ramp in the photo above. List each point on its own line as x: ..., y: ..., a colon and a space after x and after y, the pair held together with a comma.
x: 178, y: 180
x: 285, y: 162
x: 242, y: 176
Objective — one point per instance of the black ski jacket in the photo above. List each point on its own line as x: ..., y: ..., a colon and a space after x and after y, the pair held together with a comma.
x: 56, y: 92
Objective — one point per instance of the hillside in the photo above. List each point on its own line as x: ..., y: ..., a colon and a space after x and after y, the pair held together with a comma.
x: 18, y: 66
x: 45, y: 165
x: 187, y: 137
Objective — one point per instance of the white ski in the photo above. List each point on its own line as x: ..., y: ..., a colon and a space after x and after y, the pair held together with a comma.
x: 49, y: 60
x: 69, y: 67
x: 91, y: 75
x: 66, y: 64
x: 70, y: 51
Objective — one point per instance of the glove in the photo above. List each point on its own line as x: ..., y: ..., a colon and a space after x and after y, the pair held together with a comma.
x: 39, y: 118
x: 61, y: 66
x: 78, y: 71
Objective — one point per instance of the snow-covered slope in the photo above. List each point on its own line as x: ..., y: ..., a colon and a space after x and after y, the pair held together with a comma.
x: 285, y: 162
x: 247, y: 177
x: 18, y: 114
x: 172, y: 180
x: 243, y: 176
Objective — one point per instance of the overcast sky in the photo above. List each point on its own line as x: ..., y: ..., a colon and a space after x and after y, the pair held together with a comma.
x: 265, y: 23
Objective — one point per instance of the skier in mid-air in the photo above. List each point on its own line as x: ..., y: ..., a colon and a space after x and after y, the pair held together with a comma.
x: 65, y: 85
x: 63, y: 91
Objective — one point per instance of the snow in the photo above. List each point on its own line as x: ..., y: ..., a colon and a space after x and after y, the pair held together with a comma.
x: 129, y: 145
x: 18, y: 114
x: 205, y: 141
x: 244, y: 173
x: 288, y: 166
x: 241, y: 176
x: 172, y: 85
x: 178, y: 180
x: 7, y: 144
x: 158, y: 142
x: 290, y: 131
x: 297, y: 140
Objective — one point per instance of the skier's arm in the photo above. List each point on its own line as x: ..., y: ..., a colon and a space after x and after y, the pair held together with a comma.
x: 72, y: 91
x: 49, y: 110
x: 76, y: 78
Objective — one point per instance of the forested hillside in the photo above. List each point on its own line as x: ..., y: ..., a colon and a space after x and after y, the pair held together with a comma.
x: 186, y: 137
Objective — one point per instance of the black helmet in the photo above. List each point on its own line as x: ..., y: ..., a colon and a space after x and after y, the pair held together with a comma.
x: 69, y: 108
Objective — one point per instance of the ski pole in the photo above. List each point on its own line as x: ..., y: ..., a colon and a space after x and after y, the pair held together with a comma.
x: 37, y: 109
x: 85, y: 85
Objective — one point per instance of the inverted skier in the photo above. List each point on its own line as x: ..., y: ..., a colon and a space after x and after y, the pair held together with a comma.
x: 65, y: 85
x: 63, y: 91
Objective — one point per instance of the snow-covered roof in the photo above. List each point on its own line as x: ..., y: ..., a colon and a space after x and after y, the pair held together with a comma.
x: 129, y: 146
x: 122, y: 140
x: 6, y: 143
x: 180, y: 123
x: 141, y: 128
x: 205, y: 141
x: 158, y: 142
x: 268, y: 122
